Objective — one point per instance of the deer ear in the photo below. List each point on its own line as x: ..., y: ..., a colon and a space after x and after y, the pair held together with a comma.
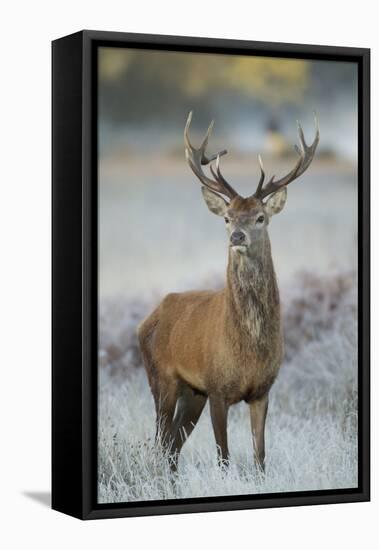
x: 276, y: 202
x: 215, y: 203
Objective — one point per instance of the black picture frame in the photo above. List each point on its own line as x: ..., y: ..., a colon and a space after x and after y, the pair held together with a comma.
x: 74, y: 273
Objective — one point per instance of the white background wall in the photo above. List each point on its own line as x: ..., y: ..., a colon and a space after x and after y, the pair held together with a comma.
x: 27, y: 29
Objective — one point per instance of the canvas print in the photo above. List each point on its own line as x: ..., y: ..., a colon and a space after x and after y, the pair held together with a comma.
x: 227, y: 275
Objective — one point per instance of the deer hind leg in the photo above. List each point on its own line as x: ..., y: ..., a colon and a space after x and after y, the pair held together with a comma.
x: 219, y: 416
x: 189, y: 408
x: 163, y: 388
x: 165, y: 396
x: 258, y: 412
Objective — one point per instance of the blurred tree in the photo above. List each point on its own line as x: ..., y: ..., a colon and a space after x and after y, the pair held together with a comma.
x: 273, y: 80
x: 113, y: 62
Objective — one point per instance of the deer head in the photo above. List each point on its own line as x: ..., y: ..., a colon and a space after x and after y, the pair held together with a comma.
x: 246, y: 219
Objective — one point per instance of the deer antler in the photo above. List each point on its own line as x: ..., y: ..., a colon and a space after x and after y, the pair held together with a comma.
x: 197, y: 158
x: 306, y: 155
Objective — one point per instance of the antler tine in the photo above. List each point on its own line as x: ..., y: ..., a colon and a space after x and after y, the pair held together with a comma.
x: 262, y: 178
x: 186, y: 128
x: 197, y: 158
x: 306, y: 154
x: 204, y: 143
x: 309, y: 151
x: 217, y: 175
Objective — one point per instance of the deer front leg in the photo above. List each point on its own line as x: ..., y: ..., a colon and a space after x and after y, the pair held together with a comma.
x: 258, y: 412
x: 219, y: 416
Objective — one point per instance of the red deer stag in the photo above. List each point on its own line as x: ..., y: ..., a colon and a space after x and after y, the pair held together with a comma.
x: 224, y: 345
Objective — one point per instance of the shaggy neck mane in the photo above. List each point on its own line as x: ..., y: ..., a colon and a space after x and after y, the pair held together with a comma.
x: 252, y: 294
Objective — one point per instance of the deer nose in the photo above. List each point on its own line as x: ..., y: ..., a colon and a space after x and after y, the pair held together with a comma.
x: 237, y: 237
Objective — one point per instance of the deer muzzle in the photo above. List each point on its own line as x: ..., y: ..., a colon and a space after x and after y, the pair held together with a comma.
x: 238, y: 238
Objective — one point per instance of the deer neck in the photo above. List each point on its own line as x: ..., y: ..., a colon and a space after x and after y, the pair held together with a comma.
x: 252, y: 292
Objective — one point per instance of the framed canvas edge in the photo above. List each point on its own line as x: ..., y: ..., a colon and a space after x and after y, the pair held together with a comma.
x: 162, y: 41
x: 88, y: 508
x: 66, y: 421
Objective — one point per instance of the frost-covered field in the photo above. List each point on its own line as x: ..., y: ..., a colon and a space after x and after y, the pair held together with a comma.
x: 311, y: 429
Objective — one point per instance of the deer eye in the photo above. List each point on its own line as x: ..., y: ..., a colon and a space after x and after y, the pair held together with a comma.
x: 226, y: 220
x: 261, y: 219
